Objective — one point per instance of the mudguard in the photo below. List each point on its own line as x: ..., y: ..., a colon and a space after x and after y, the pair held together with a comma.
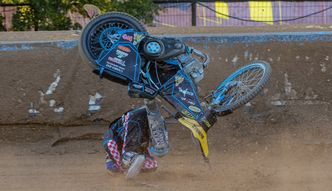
x: 198, y: 132
x: 123, y: 60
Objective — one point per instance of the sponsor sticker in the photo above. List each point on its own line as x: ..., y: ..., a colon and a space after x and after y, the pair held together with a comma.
x: 194, y: 109
x: 115, y: 67
x: 125, y: 49
x: 185, y: 92
x: 127, y: 37
x: 187, y: 101
x: 117, y: 60
x: 121, y: 54
x: 178, y: 80
x: 137, y: 38
x: 187, y: 114
x: 206, y: 122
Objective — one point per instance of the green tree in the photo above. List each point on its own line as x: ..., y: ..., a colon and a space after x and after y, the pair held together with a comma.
x: 50, y: 14
x: 53, y: 14
x: 23, y: 19
x: 77, y: 5
x: 144, y: 10
x: 42, y: 15
x: 2, y: 27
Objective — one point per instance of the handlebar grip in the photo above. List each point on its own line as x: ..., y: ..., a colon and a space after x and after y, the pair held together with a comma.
x: 205, y: 57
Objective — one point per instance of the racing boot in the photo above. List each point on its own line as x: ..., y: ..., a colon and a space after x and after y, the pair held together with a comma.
x: 134, y: 162
x: 158, y: 133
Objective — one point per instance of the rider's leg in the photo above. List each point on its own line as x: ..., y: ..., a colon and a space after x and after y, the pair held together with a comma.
x: 113, y: 162
x: 150, y: 164
x: 126, y: 143
x: 135, y: 141
x: 122, y: 143
x: 158, y: 133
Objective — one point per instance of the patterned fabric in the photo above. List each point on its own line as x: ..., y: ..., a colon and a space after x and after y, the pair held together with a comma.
x: 113, y: 149
x: 128, y: 133
x: 150, y: 163
x: 125, y: 124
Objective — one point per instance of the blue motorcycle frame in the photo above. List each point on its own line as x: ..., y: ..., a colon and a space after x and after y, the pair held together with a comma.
x: 122, y: 59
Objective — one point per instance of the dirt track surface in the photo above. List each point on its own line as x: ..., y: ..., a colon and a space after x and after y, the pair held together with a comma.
x: 259, y: 147
x: 246, y: 153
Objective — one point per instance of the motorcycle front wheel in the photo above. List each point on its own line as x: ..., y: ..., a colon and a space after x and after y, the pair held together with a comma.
x: 240, y: 87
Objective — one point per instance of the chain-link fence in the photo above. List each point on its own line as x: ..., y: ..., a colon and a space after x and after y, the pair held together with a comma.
x: 6, y: 14
x: 182, y: 13
x: 243, y: 13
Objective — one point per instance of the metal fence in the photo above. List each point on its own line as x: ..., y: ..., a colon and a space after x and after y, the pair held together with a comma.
x: 243, y: 13
x: 183, y: 13
x: 6, y: 12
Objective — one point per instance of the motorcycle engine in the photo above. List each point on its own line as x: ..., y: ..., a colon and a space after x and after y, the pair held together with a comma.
x: 195, y: 70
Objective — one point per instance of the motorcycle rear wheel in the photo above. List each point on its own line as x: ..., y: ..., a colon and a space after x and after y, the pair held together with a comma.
x: 92, y: 43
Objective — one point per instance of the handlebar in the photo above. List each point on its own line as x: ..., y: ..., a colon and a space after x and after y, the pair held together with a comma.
x: 205, y: 57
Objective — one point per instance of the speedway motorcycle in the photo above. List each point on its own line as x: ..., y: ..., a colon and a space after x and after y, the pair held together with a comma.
x: 119, y: 47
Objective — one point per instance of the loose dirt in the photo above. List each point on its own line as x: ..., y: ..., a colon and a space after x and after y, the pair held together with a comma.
x: 258, y: 148
x: 274, y: 152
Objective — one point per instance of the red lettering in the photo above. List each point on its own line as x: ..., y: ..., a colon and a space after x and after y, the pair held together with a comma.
x: 127, y: 37
x: 123, y: 48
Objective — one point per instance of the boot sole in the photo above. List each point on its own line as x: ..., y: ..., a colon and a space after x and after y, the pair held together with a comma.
x: 153, y: 152
x: 135, y: 167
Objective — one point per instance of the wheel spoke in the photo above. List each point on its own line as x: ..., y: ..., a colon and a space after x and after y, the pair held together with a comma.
x: 251, y: 74
x: 107, y: 40
x: 245, y: 82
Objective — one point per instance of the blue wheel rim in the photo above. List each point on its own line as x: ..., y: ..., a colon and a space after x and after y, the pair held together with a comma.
x: 230, y: 82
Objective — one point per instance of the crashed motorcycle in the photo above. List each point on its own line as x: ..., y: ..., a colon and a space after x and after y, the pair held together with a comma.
x: 119, y: 47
